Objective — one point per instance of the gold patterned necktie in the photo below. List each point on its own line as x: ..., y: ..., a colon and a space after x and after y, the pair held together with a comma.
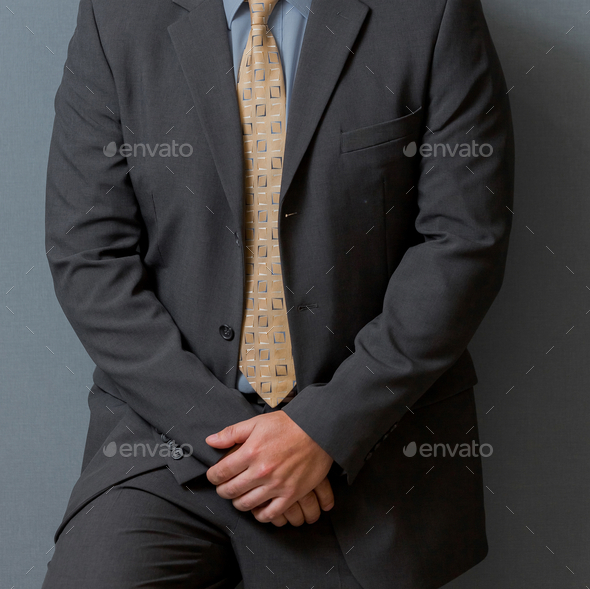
x: 265, y: 349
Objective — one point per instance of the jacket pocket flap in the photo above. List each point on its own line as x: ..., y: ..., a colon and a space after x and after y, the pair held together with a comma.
x: 380, y: 133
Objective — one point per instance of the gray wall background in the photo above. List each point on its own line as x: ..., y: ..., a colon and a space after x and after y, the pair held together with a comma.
x: 531, y: 352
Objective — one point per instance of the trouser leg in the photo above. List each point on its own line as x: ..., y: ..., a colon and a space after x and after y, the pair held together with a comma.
x: 129, y: 538
x: 151, y: 532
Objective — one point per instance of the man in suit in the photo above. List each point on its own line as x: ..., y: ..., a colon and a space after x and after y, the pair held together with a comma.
x: 383, y: 260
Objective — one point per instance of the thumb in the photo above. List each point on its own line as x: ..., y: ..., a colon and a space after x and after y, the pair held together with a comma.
x: 237, y: 433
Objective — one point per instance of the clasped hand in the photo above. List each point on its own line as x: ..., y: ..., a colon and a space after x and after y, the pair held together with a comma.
x: 273, y: 469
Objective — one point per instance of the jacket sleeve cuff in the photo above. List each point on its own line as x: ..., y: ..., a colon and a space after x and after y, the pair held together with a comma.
x: 304, y: 410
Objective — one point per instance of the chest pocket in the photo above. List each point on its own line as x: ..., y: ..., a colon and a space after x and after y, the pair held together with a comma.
x: 381, y: 133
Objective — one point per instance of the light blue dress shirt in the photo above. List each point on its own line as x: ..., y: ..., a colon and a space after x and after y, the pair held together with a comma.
x: 287, y: 23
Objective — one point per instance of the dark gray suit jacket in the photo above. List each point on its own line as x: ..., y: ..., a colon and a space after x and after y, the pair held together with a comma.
x: 390, y: 262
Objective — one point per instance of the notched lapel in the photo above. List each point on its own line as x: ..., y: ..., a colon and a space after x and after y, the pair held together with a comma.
x: 200, y: 39
x: 331, y: 30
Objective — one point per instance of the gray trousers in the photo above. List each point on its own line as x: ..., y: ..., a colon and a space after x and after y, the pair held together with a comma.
x: 150, y: 532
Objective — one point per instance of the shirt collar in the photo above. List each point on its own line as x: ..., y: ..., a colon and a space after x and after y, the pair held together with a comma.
x: 231, y: 7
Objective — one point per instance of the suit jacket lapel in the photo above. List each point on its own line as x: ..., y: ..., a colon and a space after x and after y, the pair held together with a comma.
x: 332, y: 27
x: 200, y: 39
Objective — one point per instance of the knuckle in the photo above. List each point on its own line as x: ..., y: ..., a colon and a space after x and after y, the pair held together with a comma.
x: 271, y: 515
x: 288, y: 491
x: 242, y: 505
x: 308, y: 500
x: 292, y: 510
x: 263, y: 518
x: 264, y: 469
x: 250, y: 452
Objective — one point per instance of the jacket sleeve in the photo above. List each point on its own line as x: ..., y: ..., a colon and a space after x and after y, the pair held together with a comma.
x: 443, y: 287
x: 92, y: 229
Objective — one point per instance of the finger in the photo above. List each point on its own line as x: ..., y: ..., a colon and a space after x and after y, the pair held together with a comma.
x: 231, y: 465
x: 279, y: 521
x: 240, y: 489
x: 292, y: 517
x: 252, y: 498
x: 230, y: 451
x: 310, y: 507
x: 295, y: 515
x: 232, y: 434
x: 235, y: 462
x: 272, y: 509
x: 233, y: 449
x: 325, y: 495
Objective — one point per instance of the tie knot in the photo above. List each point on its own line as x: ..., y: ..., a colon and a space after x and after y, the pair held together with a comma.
x: 260, y: 10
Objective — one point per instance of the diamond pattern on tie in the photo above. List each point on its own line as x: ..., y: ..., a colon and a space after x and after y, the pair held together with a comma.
x: 266, y: 358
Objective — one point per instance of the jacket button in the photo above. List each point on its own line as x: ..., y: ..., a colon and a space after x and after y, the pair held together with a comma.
x: 226, y: 332
x: 368, y: 457
x: 177, y: 453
